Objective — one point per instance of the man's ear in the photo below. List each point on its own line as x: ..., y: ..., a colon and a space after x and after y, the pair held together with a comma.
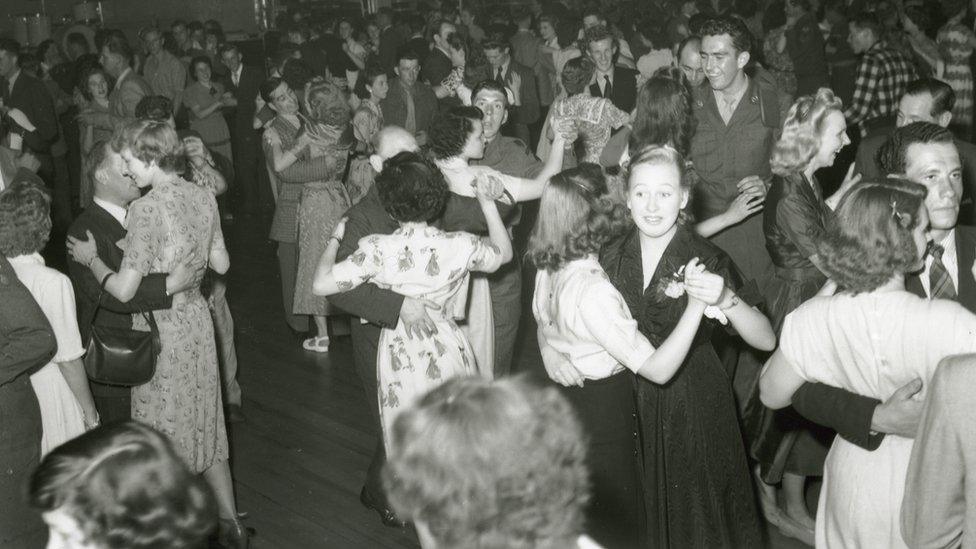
x: 396, y: 70
x: 945, y: 118
x: 743, y: 59
x: 376, y: 162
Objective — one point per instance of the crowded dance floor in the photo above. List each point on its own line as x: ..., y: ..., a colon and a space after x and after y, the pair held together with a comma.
x: 526, y: 275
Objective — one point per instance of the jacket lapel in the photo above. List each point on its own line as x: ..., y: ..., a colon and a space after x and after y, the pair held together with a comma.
x: 966, y: 255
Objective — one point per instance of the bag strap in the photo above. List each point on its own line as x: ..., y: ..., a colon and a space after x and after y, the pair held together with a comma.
x: 98, y: 302
x: 153, y: 328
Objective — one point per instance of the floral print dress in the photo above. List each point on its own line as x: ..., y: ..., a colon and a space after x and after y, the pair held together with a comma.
x: 182, y: 400
x: 422, y: 262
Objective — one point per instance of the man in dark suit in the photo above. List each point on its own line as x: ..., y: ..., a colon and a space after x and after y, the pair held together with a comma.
x: 437, y: 63
x: 21, y: 91
x: 925, y: 100
x: 616, y: 83
x: 105, y: 221
x: 390, y: 40
x: 244, y: 82
x: 520, y: 79
x: 409, y: 104
x: 925, y: 153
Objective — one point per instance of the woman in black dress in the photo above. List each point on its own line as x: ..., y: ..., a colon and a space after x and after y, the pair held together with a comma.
x: 788, y: 447
x: 697, y: 489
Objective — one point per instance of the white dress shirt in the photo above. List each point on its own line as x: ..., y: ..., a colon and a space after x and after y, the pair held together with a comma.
x: 116, y: 211
x: 582, y: 315
x: 949, y: 258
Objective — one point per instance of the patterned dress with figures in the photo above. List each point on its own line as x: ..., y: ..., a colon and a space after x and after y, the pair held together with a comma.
x: 182, y: 400
x: 421, y: 262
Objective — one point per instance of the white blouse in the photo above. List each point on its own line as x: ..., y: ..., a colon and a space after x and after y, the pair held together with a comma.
x: 582, y: 315
x: 460, y: 176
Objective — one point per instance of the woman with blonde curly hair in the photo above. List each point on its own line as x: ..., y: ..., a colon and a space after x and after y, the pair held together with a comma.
x: 490, y: 464
x: 869, y: 338
x: 788, y: 447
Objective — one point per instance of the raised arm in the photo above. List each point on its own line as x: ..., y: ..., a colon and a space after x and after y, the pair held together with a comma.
x: 531, y: 189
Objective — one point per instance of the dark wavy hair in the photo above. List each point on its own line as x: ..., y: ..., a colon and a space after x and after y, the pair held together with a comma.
x: 152, y: 141
x: 368, y: 78
x: 892, y: 156
x: 943, y: 96
x: 25, y: 218
x: 742, y: 39
x: 664, y: 114
x: 490, y: 464
x: 411, y: 188
x: 577, y: 216
x: 576, y: 75
x: 154, y: 107
x: 870, y: 239
x: 127, y: 489
x: 450, y: 131
x: 86, y: 76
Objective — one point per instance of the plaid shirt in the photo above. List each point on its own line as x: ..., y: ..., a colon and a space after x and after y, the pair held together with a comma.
x: 882, y: 77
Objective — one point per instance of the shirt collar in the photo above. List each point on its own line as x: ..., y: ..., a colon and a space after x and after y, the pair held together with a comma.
x: 122, y: 77
x: 27, y: 259
x: 949, y: 243
x: 240, y: 69
x: 10, y: 82
x: 116, y: 211
x: 720, y: 97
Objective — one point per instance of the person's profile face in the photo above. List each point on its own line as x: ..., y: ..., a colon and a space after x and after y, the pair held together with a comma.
x: 494, y: 105
x: 721, y: 61
x: 937, y: 166
x: 408, y: 70
x: 474, y: 146
x: 135, y: 168
x: 108, y: 60
x: 915, y: 108
x: 284, y: 100
x: 601, y: 52
x: 655, y: 198
x: 379, y: 88
x: 118, y: 179
x: 833, y: 138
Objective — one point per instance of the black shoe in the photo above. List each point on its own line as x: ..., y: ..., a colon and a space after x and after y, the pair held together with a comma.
x: 234, y: 414
x: 232, y: 534
x: 387, y: 515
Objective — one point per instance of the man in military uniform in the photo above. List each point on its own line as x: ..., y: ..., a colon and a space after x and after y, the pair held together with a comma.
x: 510, y: 156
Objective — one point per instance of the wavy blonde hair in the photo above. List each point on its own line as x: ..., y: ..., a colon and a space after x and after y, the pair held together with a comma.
x: 801, y: 131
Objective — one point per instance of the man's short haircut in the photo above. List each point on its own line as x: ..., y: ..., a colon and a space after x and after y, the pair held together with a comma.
x: 407, y: 54
x: 10, y: 46
x: 117, y: 44
x: 943, y: 97
x: 154, y: 107
x: 178, y: 23
x: 869, y: 21
x: 696, y: 40
x: 742, y: 39
x: 489, y: 85
x: 892, y: 156
x: 228, y: 47
x: 596, y: 34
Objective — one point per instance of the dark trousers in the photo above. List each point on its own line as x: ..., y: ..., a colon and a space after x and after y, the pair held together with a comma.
x: 288, y: 267
x: 505, y: 287
x: 365, y: 339
x: 20, y: 452
x: 608, y: 411
x: 113, y: 403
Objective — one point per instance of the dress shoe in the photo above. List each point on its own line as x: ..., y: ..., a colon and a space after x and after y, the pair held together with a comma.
x: 387, y: 515
x: 232, y: 534
x: 234, y: 414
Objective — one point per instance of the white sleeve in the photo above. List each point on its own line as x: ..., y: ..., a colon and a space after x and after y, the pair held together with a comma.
x: 64, y: 321
x: 606, y: 316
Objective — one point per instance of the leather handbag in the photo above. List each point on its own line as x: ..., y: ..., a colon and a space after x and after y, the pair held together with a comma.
x: 121, y: 356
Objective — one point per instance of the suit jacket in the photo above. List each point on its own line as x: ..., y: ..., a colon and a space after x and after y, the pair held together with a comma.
x: 32, y: 98
x: 150, y: 296
x: 938, y: 509
x: 437, y: 65
x: 850, y: 414
x: 245, y: 92
x: 395, y: 105
x: 624, y: 92
x: 125, y: 96
x: 528, y: 112
x: 866, y: 165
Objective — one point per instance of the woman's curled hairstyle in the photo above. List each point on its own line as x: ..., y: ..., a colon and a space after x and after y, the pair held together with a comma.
x: 152, y: 141
x: 411, y: 188
x: 449, y: 132
x: 127, y: 489
x: 870, y: 239
x: 25, y: 219
x: 664, y: 114
x: 801, y: 131
x: 577, y: 216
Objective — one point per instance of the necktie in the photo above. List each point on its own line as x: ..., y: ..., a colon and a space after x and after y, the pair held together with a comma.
x: 410, y: 124
x: 729, y: 108
x: 940, y: 283
x: 499, y: 76
x: 237, y: 79
x: 607, y: 86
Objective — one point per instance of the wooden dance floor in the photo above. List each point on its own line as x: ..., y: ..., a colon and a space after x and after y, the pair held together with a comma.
x: 300, y: 459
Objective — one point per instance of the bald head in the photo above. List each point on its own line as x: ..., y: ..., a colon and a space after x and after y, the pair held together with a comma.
x: 389, y: 142
x: 689, y: 60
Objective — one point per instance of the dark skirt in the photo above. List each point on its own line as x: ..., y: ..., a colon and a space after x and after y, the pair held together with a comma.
x: 606, y: 408
x: 783, y: 441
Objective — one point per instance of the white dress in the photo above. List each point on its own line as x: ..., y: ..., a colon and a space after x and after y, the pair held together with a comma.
x: 870, y: 344
x: 61, y: 416
x: 422, y: 262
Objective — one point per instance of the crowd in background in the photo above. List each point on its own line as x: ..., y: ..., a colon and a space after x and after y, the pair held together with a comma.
x: 698, y: 189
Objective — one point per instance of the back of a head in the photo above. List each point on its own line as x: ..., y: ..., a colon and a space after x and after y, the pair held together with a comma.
x: 866, y: 20
x: 391, y: 140
x: 25, y: 218
x: 411, y: 188
x: 576, y: 75
x: 126, y: 488
x: 448, y: 133
x: 154, y: 107
x: 892, y: 157
x: 664, y: 113
x: 943, y: 96
x: 152, y: 141
x: 870, y: 238
x: 491, y: 464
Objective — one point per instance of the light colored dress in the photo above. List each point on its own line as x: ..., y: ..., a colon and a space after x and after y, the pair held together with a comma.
x: 595, y: 119
x: 422, y: 262
x: 870, y: 344
x: 366, y: 122
x: 183, y: 399
x: 213, y: 128
x: 955, y: 44
x: 61, y: 415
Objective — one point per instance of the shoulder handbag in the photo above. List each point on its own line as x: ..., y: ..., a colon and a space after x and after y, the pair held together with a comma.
x: 121, y: 356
